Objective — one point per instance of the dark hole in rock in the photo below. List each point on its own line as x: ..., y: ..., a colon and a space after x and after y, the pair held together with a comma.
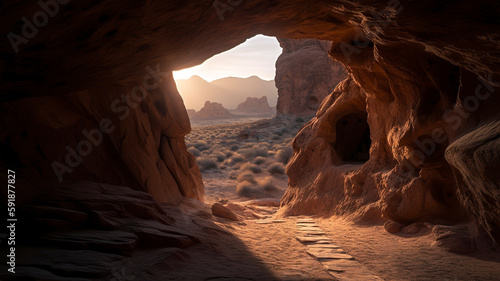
x: 353, y: 138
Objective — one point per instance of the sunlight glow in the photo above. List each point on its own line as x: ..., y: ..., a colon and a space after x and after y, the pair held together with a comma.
x: 257, y: 56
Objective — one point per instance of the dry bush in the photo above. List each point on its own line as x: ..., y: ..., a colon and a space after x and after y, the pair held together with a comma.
x: 201, y: 145
x: 219, y: 156
x: 247, y: 189
x: 251, y: 167
x: 236, y: 158
x: 261, y: 150
x: 259, y: 160
x: 267, y: 185
x: 194, y: 151
x: 264, y: 188
x: 276, y: 169
x: 247, y: 152
x: 206, y: 163
x: 254, y: 151
x: 234, y: 174
x: 284, y: 155
x: 246, y: 176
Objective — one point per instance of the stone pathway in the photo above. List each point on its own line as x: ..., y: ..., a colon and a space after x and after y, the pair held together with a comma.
x: 339, y: 264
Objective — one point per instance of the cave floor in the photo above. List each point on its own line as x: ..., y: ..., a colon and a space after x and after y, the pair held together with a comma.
x: 258, y: 247
x: 269, y: 249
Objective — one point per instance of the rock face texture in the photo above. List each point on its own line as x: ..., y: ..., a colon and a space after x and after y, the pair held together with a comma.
x: 406, y: 139
x: 305, y: 75
x: 412, y: 133
x: 255, y: 105
x: 134, y: 139
x: 212, y: 110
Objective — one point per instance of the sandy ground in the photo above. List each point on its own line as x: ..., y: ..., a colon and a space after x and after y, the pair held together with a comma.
x: 251, y: 250
x: 409, y: 257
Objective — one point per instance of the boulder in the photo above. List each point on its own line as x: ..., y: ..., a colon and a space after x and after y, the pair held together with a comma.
x: 220, y: 210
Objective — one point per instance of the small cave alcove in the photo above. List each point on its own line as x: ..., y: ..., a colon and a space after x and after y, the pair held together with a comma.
x: 353, y: 138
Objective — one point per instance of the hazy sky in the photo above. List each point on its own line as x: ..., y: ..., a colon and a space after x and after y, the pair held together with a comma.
x: 257, y: 56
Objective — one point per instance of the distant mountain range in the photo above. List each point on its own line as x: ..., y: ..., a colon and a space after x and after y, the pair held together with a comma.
x: 230, y: 91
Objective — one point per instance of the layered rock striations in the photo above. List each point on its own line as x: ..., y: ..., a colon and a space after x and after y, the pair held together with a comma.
x: 305, y: 75
x: 112, y: 136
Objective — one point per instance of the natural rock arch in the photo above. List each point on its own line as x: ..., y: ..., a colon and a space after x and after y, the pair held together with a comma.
x: 416, y: 77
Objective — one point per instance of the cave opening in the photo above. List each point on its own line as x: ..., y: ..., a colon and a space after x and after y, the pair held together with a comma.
x: 130, y: 210
x: 353, y: 140
x: 229, y: 78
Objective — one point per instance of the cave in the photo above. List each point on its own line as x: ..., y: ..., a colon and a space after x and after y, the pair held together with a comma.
x: 93, y: 136
x: 353, y: 138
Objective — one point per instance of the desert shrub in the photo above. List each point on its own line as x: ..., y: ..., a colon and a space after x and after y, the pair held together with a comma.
x: 247, y: 189
x: 248, y: 153
x: 237, y: 158
x: 216, y: 146
x: 267, y: 185
x: 283, y: 155
x: 194, y: 151
x: 264, y: 188
x: 251, y: 167
x: 299, y: 120
x: 261, y: 150
x: 234, y: 174
x: 276, y: 168
x: 234, y: 147
x: 201, y: 145
x: 219, y: 156
x: 247, y: 144
x: 246, y: 176
x: 206, y: 163
x: 254, y: 151
x: 259, y: 160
